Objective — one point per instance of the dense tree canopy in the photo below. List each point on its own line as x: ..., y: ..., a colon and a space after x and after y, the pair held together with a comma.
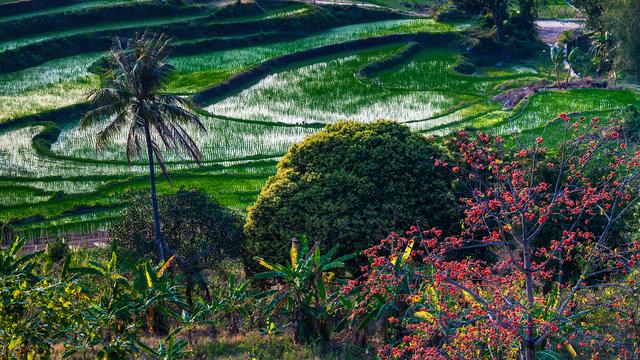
x: 513, y: 32
x: 350, y: 185
x: 617, y: 25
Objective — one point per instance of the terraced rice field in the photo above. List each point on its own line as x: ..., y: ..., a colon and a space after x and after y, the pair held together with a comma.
x: 57, y: 83
x: 62, y: 184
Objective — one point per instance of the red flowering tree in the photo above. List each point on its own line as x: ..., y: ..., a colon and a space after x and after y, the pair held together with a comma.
x: 535, y: 211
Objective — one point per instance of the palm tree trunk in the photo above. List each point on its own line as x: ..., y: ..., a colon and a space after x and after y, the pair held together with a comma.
x: 154, y: 195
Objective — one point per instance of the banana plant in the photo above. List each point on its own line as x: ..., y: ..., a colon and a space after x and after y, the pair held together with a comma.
x: 232, y: 301
x: 197, y: 314
x: 557, y: 56
x: 304, y: 289
x: 169, y: 348
x: 11, y: 263
x: 582, y: 63
x: 117, y: 310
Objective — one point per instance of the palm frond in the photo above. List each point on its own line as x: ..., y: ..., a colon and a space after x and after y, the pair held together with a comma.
x: 111, y: 131
x: 129, y: 97
x: 182, y: 116
x: 133, y: 140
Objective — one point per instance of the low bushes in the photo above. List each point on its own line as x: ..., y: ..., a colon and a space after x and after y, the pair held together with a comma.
x: 194, y: 227
x: 415, y: 298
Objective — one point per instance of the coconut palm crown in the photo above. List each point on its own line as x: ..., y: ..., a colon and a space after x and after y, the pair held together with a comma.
x: 130, y: 100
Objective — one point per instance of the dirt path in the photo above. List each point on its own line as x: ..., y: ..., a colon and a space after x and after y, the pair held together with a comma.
x: 75, y: 240
x: 550, y: 30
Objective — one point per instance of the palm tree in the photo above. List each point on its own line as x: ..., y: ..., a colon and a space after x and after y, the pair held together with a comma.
x: 129, y: 98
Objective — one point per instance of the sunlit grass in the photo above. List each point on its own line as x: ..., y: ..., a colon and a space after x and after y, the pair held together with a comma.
x: 19, y: 158
x: 285, y: 11
x: 49, y: 86
x: 432, y: 69
x: 224, y: 139
x: 50, y: 73
x: 327, y: 91
x: 455, y: 119
x: 21, y: 195
x: 111, y: 194
x: 249, y: 131
x: 547, y: 105
x: 196, y: 72
x: 47, y: 98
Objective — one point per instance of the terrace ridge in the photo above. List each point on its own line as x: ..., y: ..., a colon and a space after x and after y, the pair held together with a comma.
x: 254, y: 74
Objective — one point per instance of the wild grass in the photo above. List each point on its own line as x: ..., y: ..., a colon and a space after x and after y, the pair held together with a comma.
x: 256, y: 346
x: 556, y: 9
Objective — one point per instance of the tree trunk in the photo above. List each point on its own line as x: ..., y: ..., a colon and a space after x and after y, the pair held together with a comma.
x: 499, y: 16
x: 530, y: 333
x: 297, y: 321
x: 530, y: 352
x: 154, y: 195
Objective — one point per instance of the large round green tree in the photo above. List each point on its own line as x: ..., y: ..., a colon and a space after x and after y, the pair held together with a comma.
x: 350, y: 184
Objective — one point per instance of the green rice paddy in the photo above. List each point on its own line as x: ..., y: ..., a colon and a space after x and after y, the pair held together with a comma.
x: 299, y: 96
x: 138, y: 23
x: 86, y: 4
x: 74, y: 188
x: 196, y: 72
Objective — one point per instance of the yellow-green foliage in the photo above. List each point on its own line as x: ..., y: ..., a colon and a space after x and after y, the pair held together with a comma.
x: 350, y: 185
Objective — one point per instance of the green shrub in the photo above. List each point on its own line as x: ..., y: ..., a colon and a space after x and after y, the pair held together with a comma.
x: 57, y: 249
x: 450, y: 13
x: 631, y: 121
x: 465, y: 67
x: 350, y: 185
x: 199, y: 230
